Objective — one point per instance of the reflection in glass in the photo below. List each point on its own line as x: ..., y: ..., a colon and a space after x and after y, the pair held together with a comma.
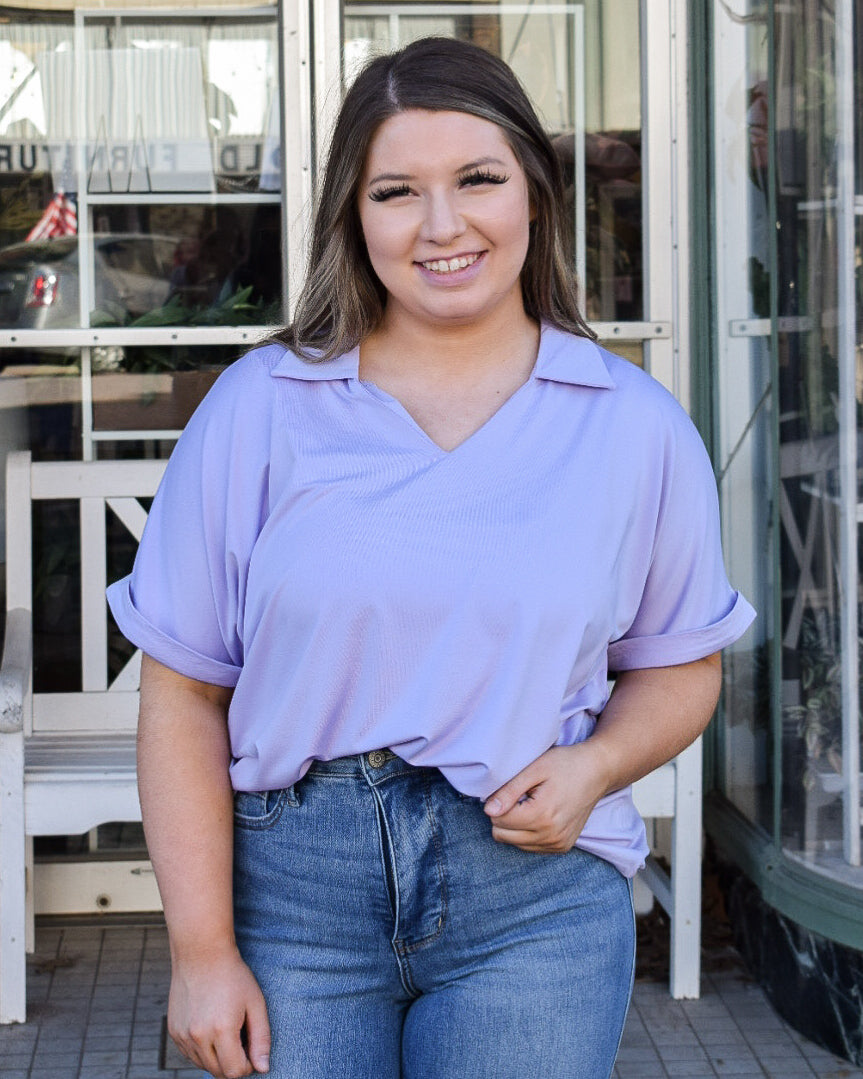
x: 135, y: 71
x: 226, y: 135
x: 779, y: 290
x: 154, y: 387
x: 94, y: 138
x: 745, y: 398
x: 40, y: 403
x: 187, y: 265
x: 816, y: 785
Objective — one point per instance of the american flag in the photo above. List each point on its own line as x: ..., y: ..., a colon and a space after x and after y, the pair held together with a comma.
x: 59, y: 219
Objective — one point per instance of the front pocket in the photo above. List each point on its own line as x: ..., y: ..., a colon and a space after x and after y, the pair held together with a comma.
x: 261, y: 809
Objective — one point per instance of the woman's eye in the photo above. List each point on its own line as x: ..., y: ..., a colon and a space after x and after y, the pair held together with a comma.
x: 483, y: 176
x: 381, y: 194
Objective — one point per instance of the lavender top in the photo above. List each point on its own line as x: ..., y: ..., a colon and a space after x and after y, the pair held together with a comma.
x: 363, y: 588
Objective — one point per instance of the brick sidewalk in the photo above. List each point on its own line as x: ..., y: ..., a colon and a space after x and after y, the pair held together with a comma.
x: 98, y: 995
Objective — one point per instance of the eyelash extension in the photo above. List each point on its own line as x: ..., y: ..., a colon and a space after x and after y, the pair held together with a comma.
x: 484, y: 176
x: 470, y: 179
x: 381, y: 194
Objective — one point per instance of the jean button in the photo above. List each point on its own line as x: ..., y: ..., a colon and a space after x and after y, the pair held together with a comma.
x: 377, y: 758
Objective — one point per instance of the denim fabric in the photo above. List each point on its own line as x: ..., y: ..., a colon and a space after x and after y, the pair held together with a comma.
x: 395, y: 939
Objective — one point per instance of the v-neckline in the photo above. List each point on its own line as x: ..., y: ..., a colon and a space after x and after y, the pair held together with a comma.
x: 398, y: 408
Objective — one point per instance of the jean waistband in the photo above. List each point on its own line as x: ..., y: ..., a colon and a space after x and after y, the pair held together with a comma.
x: 372, y: 766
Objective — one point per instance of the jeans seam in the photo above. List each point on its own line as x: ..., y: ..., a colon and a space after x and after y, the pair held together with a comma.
x: 631, y: 981
x: 414, y: 945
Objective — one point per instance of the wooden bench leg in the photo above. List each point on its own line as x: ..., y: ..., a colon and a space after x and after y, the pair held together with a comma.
x: 13, y: 958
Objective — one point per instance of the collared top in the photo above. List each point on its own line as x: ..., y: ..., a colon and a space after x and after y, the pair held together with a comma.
x: 361, y: 587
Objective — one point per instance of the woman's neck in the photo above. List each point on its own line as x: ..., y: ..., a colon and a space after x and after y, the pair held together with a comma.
x: 401, y: 346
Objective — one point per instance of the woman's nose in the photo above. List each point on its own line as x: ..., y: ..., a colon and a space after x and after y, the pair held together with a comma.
x: 442, y: 222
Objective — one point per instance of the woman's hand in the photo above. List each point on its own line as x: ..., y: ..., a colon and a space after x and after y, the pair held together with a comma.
x: 217, y: 1016
x: 544, y: 808
x: 653, y: 713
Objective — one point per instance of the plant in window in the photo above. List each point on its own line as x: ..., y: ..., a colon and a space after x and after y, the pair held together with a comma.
x: 819, y: 717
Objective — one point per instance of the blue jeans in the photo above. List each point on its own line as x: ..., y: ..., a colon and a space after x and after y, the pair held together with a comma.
x: 393, y: 938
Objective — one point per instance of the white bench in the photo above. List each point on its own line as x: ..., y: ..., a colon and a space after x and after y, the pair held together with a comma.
x: 674, y: 792
x: 67, y: 760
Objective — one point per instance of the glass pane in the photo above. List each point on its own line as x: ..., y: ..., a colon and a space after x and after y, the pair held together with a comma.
x: 148, y: 109
x: 572, y: 59
x: 153, y: 388
x: 614, y: 274
x: 27, y: 156
x: 226, y: 135
x: 40, y: 404
x: 779, y: 287
x: 745, y: 414
x: 809, y: 260
x: 186, y: 265
x: 629, y: 350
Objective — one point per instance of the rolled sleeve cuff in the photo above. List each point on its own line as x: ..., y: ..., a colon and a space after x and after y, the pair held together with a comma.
x: 161, y: 647
x: 669, y: 649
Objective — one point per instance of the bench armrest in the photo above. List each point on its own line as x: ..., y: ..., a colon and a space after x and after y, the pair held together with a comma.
x: 16, y: 669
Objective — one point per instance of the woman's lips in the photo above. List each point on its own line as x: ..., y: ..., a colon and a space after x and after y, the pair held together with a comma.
x: 457, y: 268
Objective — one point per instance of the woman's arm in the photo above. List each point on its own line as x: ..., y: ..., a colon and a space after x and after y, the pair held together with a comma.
x: 216, y: 1011
x: 650, y: 717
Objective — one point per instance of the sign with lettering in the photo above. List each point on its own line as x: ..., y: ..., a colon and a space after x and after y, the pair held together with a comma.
x: 147, y: 166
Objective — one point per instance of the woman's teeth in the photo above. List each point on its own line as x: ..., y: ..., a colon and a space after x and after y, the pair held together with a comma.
x: 449, y: 265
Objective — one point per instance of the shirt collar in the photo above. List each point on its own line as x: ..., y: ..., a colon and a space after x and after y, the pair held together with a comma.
x: 562, y: 357
x: 292, y: 366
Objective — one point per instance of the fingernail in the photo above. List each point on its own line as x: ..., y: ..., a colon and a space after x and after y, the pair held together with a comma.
x: 263, y: 1064
x: 493, y: 807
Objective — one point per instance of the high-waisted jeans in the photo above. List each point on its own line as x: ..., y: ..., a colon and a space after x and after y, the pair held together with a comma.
x: 393, y: 938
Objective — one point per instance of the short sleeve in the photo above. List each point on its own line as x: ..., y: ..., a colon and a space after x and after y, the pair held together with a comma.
x: 687, y: 608
x: 182, y: 603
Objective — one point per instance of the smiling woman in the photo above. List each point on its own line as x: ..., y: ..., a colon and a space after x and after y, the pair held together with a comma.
x: 445, y: 214
x: 396, y: 554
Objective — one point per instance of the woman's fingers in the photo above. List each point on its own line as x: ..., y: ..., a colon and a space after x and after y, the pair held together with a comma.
x: 218, y: 1018
x: 258, y: 1033
x: 544, y: 808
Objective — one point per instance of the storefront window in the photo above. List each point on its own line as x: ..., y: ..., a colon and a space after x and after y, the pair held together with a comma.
x: 819, y: 425
x: 140, y: 191
x: 139, y: 172
x: 791, y: 357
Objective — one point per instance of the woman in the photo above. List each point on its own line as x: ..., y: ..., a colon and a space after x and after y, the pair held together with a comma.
x: 394, y: 557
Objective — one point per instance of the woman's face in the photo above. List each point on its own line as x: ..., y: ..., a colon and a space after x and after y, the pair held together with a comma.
x: 445, y: 214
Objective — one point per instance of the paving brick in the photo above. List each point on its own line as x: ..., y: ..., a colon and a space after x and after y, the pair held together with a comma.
x: 692, y: 1069
x: 643, y: 1070
x: 784, y: 1069
x: 96, y: 1060
x: 11, y: 1060
x: 681, y: 1052
x: 60, y: 1061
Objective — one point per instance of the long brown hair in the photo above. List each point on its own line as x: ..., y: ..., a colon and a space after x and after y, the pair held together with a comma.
x: 342, y: 300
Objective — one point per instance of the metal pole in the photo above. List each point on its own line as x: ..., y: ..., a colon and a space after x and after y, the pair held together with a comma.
x: 846, y: 334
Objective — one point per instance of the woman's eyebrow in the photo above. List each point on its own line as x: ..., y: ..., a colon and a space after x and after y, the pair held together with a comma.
x: 480, y: 161
x: 402, y: 176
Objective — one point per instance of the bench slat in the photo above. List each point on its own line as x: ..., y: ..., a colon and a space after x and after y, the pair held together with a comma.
x: 113, y: 710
